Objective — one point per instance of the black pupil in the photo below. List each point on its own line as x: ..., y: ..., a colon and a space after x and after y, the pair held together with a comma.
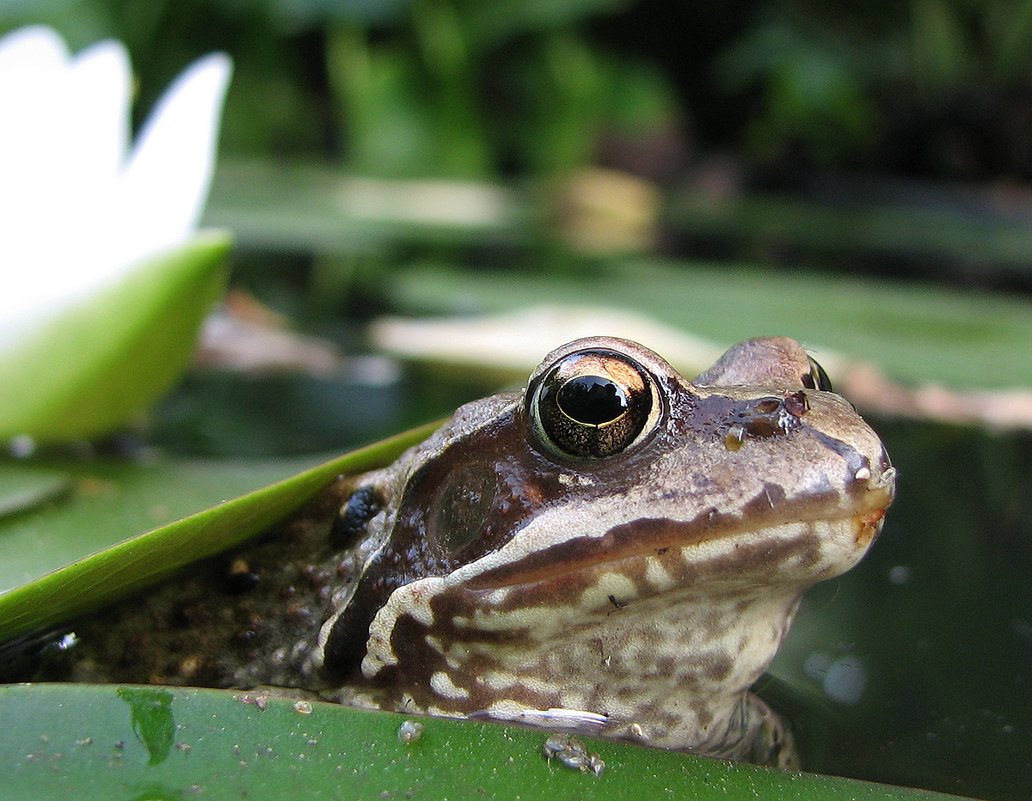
x: 592, y: 399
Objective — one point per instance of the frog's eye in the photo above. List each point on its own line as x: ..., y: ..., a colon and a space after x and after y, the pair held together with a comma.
x: 593, y: 404
x: 816, y: 378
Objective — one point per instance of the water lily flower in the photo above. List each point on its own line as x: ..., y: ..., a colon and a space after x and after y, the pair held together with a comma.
x: 88, y: 226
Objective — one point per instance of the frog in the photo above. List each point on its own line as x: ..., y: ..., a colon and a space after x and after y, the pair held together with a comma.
x: 612, y: 551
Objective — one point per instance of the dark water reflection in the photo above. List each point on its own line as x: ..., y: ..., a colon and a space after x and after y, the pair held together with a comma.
x: 927, y: 646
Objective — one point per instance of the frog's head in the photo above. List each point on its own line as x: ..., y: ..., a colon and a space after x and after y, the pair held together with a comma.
x: 614, y: 527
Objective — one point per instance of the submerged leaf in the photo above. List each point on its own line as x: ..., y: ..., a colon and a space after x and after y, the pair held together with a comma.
x: 152, y: 719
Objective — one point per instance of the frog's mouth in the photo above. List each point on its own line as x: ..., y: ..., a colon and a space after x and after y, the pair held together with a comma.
x: 790, y: 533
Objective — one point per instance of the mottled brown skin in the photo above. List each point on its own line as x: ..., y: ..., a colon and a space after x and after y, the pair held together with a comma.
x: 630, y: 579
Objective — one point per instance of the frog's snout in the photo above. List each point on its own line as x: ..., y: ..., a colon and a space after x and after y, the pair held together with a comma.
x: 879, y: 482
x: 867, y: 525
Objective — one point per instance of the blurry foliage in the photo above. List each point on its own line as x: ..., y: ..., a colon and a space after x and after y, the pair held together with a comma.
x: 414, y: 89
x: 812, y: 89
x: 466, y: 89
x: 538, y: 89
x: 931, y: 87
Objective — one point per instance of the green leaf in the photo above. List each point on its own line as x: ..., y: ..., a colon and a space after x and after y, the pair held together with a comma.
x: 315, y: 207
x: 23, y: 487
x: 917, y: 332
x: 105, y: 359
x: 105, y: 502
x: 92, y: 581
x: 162, y: 743
x: 938, y: 232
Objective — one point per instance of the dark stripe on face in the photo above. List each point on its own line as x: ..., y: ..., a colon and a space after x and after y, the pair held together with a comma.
x: 565, y: 569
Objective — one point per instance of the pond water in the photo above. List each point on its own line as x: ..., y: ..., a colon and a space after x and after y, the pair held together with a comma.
x: 916, y: 667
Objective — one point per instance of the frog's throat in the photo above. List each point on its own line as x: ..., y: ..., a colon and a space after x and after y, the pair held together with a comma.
x: 673, y: 665
x: 658, y: 627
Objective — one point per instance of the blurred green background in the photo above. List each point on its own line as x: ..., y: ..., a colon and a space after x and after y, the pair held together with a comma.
x: 888, y: 138
x: 930, y: 88
x: 856, y: 175
x: 457, y: 157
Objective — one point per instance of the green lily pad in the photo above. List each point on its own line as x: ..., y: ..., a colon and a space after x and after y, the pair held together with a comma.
x: 110, y: 742
x: 23, y: 487
x: 132, y: 564
x: 105, y: 359
x: 104, y: 502
x: 903, y: 327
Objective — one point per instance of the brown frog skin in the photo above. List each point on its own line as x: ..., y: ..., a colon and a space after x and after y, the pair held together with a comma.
x: 615, y: 551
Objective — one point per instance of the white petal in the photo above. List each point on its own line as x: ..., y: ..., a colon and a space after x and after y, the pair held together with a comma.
x: 76, y: 212
x: 63, y: 119
x: 36, y: 43
x: 33, y: 65
x: 166, y: 181
x: 61, y: 148
x: 98, y: 102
